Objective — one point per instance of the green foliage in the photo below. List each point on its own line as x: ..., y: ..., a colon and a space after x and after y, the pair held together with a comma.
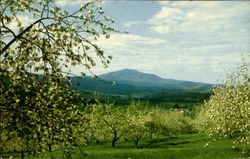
x: 169, y: 122
x: 139, y: 116
x: 227, y: 113
x: 56, y: 37
x: 42, y: 112
x: 136, y: 122
x: 116, y: 122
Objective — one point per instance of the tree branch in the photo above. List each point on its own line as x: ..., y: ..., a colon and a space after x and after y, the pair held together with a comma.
x: 20, y: 34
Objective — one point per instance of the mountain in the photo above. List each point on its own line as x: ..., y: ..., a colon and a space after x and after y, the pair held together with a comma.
x: 129, y: 81
x: 133, y: 77
x: 136, y: 78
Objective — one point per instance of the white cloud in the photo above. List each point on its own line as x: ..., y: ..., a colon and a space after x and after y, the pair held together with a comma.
x: 183, y: 16
x: 188, y: 4
x: 76, y: 2
x: 132, y: 23
x: 162, y: 29
x: 129, y: 51
x: 71, y: 2
x: 129, y: 43
x: 167, y: 12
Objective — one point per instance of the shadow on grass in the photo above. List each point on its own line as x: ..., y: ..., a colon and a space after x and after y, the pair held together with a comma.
x: 165, y: 142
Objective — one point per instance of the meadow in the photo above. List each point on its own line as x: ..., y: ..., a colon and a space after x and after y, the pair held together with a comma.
x: 187, y: 146
x: 184, y: 146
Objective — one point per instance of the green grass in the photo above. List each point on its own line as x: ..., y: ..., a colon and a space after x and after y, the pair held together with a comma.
x: 187, y: 146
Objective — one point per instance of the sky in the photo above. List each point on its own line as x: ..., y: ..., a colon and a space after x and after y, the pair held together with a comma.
x: 186, y: 40
x: 198, y: 41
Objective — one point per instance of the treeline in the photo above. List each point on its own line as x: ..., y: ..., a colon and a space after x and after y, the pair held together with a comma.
x: 166, y: 99
x: 96, y: 123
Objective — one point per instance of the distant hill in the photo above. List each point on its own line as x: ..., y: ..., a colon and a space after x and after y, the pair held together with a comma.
x: 136, y: 78
x: 129, y: 81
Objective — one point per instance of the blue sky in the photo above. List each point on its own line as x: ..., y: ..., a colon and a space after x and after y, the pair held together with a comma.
x: 185, y: 40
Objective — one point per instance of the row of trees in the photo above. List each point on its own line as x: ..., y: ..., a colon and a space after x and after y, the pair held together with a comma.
x: 137, y: 122
x: 97, y: 123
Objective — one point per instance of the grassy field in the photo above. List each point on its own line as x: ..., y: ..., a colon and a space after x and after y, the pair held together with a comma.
x: 188, y: 146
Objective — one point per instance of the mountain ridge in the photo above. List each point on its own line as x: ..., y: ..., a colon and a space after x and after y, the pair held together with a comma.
x: 137, y: 78
x: 134, y: 70
x: 129, y: 81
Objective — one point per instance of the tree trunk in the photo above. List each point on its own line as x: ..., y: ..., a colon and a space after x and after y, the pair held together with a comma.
x: 136, y: 141
x: 22, y: 154
x: 34, y: 153
x: 125, y: 139
x: 22, y: 151
x: 1, y: 145
x: 50, y: 151
x: 113, y: 142
x: 114, y: 138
